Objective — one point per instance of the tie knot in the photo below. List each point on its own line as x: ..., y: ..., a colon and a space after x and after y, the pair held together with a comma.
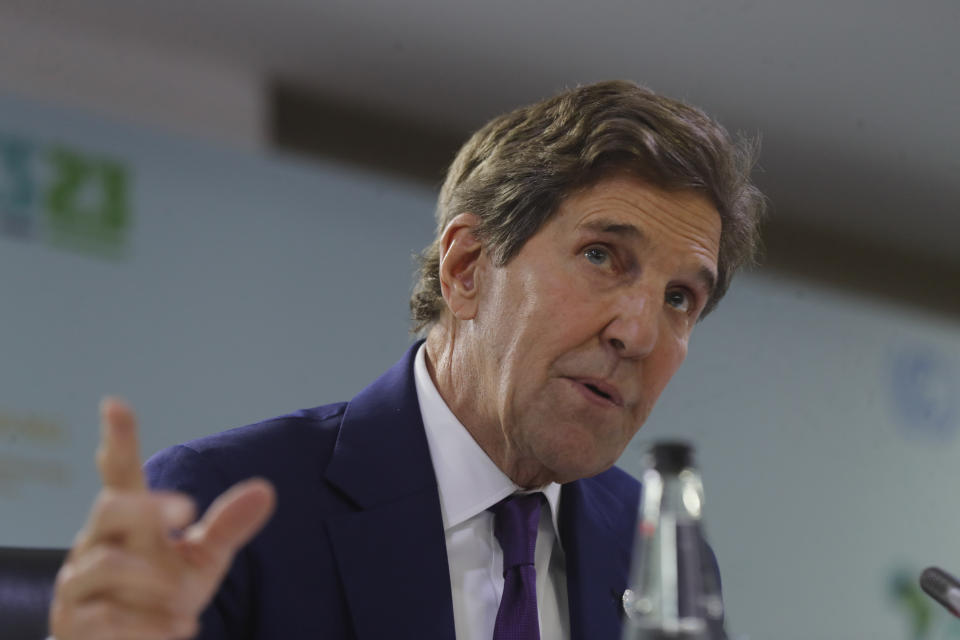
x: 515, y: 524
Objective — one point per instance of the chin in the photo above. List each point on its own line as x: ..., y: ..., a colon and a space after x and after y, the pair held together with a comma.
x: 580, y: 460
x: 579, y: 472
x: 580, y: 443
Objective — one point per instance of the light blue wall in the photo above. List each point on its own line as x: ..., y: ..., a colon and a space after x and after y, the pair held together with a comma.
x: 252, y: 286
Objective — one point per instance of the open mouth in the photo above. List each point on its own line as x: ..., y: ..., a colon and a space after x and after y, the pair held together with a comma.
x: 605, y: 396
x: 599, y: 391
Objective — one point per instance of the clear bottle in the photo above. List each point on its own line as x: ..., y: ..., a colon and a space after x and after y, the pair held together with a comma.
x: 674, y: 590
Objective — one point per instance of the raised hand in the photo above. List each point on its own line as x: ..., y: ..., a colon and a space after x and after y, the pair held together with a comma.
x: 139, y: 569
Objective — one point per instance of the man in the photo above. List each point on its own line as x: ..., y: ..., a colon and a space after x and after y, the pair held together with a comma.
x: 579, y: 240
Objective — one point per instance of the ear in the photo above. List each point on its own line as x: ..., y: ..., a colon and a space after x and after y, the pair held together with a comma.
x: 460, y: 256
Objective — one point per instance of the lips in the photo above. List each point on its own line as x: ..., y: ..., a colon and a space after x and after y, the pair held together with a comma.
x: 599, y: 390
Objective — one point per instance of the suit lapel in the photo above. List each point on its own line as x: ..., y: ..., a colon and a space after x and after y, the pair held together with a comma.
x: 391, y: 552
x: 596, y: 530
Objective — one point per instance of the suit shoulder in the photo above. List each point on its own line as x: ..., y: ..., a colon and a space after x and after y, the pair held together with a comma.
x: 618, y: 480
x: 297, y: 440
x: 621, y: 491
x: 299, y: 428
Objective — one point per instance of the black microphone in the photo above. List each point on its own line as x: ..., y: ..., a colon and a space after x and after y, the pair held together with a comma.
x: 942, y: 587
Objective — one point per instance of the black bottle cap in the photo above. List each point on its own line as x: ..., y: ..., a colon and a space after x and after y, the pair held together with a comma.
x: 672, y: 456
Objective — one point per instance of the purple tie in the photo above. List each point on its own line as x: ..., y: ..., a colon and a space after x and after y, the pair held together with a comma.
x: 515, y: 524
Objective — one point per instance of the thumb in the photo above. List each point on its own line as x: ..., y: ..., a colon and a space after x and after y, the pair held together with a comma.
x: 233, y: 519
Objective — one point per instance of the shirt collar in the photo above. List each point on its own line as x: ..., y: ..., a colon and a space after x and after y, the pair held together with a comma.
x: 467, y: 479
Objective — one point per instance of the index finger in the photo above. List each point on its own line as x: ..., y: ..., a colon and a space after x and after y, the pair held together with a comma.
x: 118, y: 456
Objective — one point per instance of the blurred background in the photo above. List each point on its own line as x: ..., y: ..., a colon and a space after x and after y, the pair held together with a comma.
x: 212, y: 209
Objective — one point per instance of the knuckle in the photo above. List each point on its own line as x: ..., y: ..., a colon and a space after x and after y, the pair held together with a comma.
x: 80, y: 539
x: 122, y: 511
x: 108, y: 559
x: 100, y: 619
x: 68, y: 580
x: 111, y: 616
x: 65, y: 577
x: 106, y: 502
x: 101, y: 613
x: 60, y: 614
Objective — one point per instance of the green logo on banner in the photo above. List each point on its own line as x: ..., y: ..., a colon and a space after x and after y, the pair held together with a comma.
x: 64, y: 197
x: 17, y: 186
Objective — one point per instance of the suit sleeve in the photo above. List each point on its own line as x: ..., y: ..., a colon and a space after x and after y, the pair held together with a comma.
x: 229, y: 616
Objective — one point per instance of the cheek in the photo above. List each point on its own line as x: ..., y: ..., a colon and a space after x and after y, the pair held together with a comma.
x: 538, y: 331
x: 667, y: 361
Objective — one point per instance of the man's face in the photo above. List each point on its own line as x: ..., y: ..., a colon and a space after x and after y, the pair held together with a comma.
x: 583, y: 328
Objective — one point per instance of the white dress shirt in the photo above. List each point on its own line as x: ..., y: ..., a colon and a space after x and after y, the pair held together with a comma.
x: 469, y: 482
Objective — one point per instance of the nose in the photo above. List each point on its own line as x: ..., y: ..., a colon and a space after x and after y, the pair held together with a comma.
x: 635, y: 328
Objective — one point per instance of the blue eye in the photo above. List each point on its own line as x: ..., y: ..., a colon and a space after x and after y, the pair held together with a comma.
x: 597, y: 255
x: 678, y: 299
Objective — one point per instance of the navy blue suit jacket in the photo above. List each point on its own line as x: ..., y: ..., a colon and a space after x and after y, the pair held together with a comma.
x: 356, y: 546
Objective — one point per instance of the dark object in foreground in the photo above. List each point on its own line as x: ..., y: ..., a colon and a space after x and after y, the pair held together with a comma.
x: 26, y: 587
x: 942, y: 587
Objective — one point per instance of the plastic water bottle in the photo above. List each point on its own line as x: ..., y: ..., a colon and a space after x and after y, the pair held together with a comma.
x: 673, y: 592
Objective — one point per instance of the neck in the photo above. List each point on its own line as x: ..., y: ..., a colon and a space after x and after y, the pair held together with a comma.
x: 460, y: 374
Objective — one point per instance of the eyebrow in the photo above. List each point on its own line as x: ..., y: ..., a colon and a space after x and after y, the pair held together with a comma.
x: 616, y: 228
x: 705, y: 275
x: 709, y: 279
